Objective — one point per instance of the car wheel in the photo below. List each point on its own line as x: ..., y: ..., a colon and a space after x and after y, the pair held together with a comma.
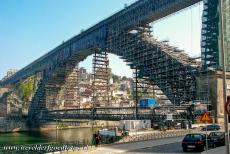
x: 185, y: 149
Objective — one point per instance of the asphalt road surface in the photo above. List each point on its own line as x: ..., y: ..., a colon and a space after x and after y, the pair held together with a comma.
x: 173, y: 148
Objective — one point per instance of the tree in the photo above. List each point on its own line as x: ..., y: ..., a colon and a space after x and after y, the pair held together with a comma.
x: 115, y: 78
x: 124, y: 78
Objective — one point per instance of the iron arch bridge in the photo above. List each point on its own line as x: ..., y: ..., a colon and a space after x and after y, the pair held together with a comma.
x: 128, y: 35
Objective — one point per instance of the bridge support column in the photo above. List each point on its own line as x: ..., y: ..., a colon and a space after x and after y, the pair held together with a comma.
x: 215, y: 93
x: 219, y: 95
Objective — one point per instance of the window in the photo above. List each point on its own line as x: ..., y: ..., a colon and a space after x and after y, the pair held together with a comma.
x: 193, y: 136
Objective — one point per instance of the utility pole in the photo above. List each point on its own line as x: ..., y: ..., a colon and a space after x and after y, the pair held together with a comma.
x: 224, y: 76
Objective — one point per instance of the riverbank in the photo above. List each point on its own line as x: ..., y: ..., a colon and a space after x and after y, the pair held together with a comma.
x: 77, y: 124
x: 13, y: 125
x: 20, y: 125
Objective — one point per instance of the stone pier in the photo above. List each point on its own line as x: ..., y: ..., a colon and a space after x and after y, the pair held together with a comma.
x: 216, y: 94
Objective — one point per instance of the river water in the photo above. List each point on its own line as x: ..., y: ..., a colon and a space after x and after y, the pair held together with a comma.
x: 82, y: 135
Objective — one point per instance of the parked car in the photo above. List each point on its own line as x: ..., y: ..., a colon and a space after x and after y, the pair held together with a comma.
x: 196, y: 141
x: 211, y: 127
x: 218, y: 138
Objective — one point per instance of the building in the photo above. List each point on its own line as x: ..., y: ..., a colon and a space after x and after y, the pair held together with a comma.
x: 124, y: 85
x: 83, y: 75
x: 9, y: 73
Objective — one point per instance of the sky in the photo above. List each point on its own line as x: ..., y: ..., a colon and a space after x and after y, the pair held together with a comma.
x: 30, y: 28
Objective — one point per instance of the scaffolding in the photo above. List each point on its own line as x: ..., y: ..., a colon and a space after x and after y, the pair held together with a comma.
x: 163, y: 65
x: 226, y: 31
x: 211, y: 55
x: 51, y: 93
x: 71, y: 88
x: 62, y: 89
x: 210, y: 33
x: 101, y: 79
x: 142, y: 87
x: 210, y: 46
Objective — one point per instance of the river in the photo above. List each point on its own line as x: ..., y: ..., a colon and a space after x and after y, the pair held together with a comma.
x: 82, y: 135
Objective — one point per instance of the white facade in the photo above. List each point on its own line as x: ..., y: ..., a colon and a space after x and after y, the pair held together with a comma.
x: 133, y: 125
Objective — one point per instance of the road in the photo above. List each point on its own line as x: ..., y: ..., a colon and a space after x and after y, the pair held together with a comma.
x: 172, y: 148
x: 133, y: 146
x: 159, y: 146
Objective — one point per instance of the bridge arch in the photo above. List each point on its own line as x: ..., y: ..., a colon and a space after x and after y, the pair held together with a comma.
x: 161, y: 64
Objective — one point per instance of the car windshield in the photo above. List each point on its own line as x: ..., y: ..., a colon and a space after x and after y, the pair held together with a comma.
x: 212, y: 126
x: 216, y: 134
x: 193, y: 136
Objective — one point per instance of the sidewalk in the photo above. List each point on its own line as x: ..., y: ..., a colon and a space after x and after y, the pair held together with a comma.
x: 121, y: 148
x: 218, y: 150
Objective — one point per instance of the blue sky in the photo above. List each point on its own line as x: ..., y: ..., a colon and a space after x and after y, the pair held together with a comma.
x: 30, y: 28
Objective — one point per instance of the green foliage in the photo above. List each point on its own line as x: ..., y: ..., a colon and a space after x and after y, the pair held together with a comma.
x: 26, y: 88
x: 124, y: 78
x: 115, y: 78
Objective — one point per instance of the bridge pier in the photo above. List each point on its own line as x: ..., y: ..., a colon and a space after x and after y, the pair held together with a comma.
x: 211, y: 86
x: 217, y: 95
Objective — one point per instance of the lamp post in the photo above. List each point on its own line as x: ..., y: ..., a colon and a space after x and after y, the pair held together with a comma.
x: 224, y: 76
